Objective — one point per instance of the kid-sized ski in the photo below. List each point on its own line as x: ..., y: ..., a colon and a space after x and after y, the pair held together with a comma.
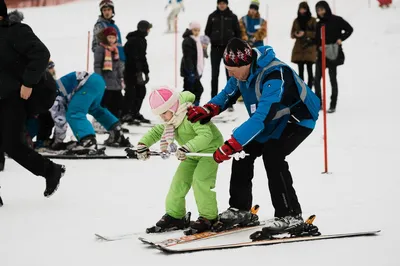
x: 153, y: 239
x: 115, y: 237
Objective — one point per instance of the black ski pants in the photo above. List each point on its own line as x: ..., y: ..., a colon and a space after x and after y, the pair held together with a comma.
x: 112, y: 100
x: 217, y: 54
x: 134, y: 96
x: 310, y: 73
x: 334, y: 83
x: 196, y: 88
x: 273, y: 152
x: 46, y: 125
x: 12, y: 122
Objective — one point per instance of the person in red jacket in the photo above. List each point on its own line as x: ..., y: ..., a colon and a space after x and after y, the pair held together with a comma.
x: 384, y: 3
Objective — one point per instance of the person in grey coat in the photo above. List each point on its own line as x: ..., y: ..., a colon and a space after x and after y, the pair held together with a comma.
x: 105, y: 20
x: 108, y: 65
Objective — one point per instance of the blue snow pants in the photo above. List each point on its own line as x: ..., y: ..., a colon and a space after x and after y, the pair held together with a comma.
x: 87, y: 101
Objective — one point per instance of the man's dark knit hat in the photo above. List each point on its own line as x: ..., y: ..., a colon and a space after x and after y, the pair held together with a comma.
x: 238, y: 53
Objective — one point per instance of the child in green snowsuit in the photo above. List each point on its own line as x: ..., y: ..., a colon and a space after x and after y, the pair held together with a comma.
x: 196, y: 172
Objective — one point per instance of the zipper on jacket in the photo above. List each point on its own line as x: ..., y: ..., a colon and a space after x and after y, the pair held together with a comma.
x: 222, y: 30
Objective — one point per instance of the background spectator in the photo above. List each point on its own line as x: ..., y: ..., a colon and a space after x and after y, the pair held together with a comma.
x: 337, y: 30
x: 304, y: 50
x: 176, y: 7
x: 253, y: 28
x: 136, y: 67
x: 107, y: 64
x: 222, y: 25
x: 106, y: 20
x: 192, y: 64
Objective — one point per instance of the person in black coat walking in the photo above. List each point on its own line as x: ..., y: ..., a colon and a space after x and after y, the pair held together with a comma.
x: 337, y: 30
x: 192, y: 64
x: 222, y: 25
x: 23, y: 61
x: 136, y: 67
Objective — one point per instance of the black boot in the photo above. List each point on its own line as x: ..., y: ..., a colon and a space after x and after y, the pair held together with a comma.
x: 169, y: 223
x: 288, y: 224
x: 233, y: 217
x: 2, y: 161
x: 1, y: 201
x: 86, y: 146
x: 128, y: 118
x: 141, y: 119
x: 332, y: 109
x: 117, y: 138
x: 53, y: 179
x: 199, y: 226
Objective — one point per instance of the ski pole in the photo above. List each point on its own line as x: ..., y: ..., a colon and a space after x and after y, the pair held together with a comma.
x: 237, y: 156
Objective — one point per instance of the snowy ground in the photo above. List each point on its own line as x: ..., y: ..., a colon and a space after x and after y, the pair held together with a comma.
x: 124, y: 196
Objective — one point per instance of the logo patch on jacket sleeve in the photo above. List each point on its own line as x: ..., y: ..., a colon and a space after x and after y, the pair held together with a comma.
x: 253, y: 108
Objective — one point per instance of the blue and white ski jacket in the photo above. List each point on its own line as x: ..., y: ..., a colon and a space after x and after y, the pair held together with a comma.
x: 263, y: 93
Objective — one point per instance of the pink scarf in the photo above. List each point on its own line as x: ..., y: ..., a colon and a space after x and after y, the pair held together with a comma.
x: 200, y: 55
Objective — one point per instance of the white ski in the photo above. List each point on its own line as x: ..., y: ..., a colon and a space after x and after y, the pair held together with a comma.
x: 287, y: 239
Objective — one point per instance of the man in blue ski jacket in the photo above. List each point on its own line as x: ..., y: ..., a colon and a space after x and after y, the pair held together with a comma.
x: 283, y: 111
x: 80, y: 93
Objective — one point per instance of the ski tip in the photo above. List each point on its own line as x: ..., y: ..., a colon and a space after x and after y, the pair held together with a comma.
x: 101, y: 238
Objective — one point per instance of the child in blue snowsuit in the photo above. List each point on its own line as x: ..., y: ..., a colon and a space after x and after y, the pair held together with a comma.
x: 283, y: 111
x: 80, y: 93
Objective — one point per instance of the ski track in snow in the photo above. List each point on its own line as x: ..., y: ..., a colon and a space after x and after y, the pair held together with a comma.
x: 117, y: 197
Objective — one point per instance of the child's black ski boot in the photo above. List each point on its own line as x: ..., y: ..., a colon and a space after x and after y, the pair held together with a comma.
x: 169, y: 223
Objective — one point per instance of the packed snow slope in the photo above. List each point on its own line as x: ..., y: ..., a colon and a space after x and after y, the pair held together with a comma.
x: 123, y: 196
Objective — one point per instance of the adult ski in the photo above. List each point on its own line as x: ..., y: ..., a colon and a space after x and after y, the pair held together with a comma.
x: 272, y: 241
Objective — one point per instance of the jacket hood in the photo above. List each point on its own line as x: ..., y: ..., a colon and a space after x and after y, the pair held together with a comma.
x: 305, y: 6
x: 101, y: 19
x: 187, y: 33
x: 135, y: 34
x: 257, y: 15
x: 16, y: 16
x: 227, y: 11
x: 327, y: 8
x: 265, y: 55
x: 186, y: 97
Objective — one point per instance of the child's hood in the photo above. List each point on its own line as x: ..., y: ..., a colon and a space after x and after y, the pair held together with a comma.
x: 186, y: 97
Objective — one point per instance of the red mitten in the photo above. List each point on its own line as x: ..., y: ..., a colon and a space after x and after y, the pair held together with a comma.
x: 202, y: 113
x: 230, y: 147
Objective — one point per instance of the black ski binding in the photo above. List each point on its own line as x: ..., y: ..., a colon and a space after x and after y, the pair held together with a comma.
x: 308, y: 229
x: 158, y: 229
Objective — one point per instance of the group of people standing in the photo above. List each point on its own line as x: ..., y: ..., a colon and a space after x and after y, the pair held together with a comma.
x: 223, y: 24
x: 122, y: 66
x: 282, y: 109
x: 307, y: 49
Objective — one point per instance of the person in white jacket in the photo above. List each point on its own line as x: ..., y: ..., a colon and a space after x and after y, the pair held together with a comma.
x: 176, y: 6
